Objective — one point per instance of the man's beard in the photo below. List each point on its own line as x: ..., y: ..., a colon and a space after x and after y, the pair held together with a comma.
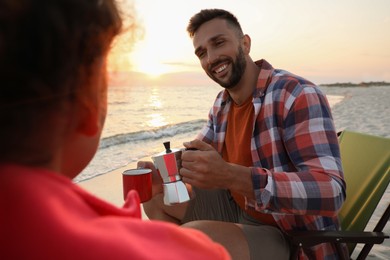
x: 238, y: 69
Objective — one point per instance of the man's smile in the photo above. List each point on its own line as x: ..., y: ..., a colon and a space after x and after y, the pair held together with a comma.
x: 220, y: 69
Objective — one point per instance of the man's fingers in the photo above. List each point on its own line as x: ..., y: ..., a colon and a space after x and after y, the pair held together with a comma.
x: 197, y: 145
x: 146, y: 164
x: 189, y: 165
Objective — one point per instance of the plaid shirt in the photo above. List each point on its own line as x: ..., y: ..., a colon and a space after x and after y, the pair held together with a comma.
x: 297, y: 174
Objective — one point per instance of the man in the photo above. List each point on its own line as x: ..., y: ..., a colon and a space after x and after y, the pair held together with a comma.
x: 52, y: 108
x: 268, y: 159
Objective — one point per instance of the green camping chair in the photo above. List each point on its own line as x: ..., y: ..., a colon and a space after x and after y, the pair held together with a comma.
x: 366, y: 164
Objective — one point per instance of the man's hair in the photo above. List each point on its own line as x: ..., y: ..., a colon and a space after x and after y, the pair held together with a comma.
x: 47, y: 51
x: 206, y: 15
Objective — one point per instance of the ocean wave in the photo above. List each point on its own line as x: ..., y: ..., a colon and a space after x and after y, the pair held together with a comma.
x: 153, y: 134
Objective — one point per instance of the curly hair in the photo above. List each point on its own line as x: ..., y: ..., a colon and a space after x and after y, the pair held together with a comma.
x: 47, y: 51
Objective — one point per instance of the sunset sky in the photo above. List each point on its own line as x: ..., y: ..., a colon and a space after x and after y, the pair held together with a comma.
x: 323, y: 41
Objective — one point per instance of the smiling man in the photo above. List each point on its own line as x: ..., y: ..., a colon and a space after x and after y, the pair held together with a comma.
x: 268, y: 159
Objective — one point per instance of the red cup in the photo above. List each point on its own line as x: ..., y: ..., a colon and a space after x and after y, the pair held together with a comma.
x: 139, y: 180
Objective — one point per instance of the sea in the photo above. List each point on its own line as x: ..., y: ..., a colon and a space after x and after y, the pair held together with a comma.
x: 141, y: 118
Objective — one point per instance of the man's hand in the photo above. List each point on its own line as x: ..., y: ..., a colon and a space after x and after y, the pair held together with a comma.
x: 204, y: 167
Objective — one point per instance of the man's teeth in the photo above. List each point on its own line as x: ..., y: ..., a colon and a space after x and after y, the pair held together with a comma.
x: 221, y: 68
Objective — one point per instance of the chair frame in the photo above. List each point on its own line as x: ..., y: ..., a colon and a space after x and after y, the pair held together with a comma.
x: 305, y: 239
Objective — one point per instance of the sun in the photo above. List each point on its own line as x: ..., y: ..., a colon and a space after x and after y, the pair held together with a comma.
x: 146, y: 58
x: 165, y: 46
x: 152, y: 68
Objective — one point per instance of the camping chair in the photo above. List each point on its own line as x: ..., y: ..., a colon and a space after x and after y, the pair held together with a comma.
x: 366, y: 165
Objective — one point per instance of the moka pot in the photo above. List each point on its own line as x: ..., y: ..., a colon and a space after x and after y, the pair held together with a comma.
x: 168, y: 164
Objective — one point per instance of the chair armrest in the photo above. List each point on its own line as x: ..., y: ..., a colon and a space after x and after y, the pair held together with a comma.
x: 312, y: 238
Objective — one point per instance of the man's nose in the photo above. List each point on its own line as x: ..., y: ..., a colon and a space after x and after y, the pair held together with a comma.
x: 211, y: 57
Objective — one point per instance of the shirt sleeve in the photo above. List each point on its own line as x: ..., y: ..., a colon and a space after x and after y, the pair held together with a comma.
x: 207, y: 132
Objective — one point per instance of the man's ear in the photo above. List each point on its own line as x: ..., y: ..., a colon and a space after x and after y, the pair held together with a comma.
x: 88, y: 120
x: 246, y: 42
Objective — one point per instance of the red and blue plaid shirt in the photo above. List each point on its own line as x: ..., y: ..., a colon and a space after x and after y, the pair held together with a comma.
x: 297, y: 174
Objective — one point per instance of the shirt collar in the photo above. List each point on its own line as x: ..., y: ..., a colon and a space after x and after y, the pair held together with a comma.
x: 264, y: 78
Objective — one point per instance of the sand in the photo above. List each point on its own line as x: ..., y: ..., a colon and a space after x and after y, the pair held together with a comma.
x: 109, y: 186
x: 349, y: 107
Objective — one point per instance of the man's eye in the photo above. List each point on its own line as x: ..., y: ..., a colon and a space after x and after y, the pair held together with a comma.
x: 201, y: 54
x: 218, y: 43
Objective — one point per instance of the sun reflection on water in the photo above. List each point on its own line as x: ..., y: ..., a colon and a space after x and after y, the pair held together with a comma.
x: 156, y: 119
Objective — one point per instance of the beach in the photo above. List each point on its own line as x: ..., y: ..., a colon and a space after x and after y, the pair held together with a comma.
x: 361, y: 109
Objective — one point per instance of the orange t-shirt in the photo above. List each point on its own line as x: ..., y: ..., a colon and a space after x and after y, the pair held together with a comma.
x: 237, y: 149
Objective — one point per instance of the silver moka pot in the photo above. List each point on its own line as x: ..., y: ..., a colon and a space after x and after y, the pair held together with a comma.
x: 168, y: 164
